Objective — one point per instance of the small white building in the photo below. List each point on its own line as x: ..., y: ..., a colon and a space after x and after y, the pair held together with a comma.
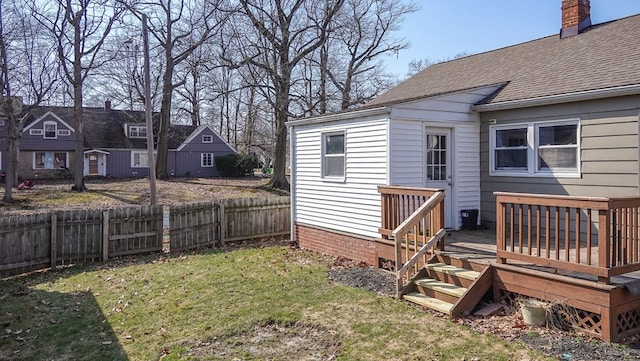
x: 339, y: 160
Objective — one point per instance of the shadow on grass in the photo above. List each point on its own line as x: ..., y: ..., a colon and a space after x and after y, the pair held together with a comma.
x: 278, y: 192
x: 113, y: 195
x: 47, y: 325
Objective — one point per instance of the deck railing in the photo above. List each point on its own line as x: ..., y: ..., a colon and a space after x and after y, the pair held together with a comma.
x: 417, y: 218
x: 398, y: 203
x: 592, y: 235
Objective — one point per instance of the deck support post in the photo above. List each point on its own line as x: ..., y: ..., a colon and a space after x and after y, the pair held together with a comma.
x: 609, y: 324
x: 604, y: 242
x: 440, y: 218
x: 500, y: 230
x: 398, y: 265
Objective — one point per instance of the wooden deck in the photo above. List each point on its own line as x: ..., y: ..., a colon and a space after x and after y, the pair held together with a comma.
x: 480, y: 247
x: 580, y: 254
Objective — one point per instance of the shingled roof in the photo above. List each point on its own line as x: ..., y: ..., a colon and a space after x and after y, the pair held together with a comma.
x: 603, y: 56
x: 104, y: 128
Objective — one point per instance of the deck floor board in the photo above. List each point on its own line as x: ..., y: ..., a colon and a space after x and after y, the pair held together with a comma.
x: 480, y: 246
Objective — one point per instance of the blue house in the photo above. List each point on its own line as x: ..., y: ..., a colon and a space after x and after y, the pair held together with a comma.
x: 115, y: 143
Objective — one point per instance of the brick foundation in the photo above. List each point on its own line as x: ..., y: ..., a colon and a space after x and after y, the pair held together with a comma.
x: 336, y: 244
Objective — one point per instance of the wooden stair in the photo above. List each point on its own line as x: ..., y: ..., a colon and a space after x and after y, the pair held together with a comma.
x: 447, y: 288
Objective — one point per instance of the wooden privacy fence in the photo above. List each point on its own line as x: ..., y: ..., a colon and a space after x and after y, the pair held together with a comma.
x: 38, y: 241
x: 194, y: 225
x: 247, y: 218
x: 214, y: 223
x: 593, y: 235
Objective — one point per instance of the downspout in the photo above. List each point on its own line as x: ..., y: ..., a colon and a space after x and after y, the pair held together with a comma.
x: 389, y: 130
x: 293, y: 242
x: 638, y: 149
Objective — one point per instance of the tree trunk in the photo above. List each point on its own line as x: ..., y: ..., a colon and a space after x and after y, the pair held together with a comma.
x: 346, y: 93
x: 279, y: 178
x: 11, y: 171
x: 162, y: 150
x: 78, y: 166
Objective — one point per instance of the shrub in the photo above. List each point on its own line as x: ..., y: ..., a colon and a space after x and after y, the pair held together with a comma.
x: 235, y: 165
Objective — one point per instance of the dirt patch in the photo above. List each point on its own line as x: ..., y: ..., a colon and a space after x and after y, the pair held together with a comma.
x: 274, y: 342
x: 507, y: 325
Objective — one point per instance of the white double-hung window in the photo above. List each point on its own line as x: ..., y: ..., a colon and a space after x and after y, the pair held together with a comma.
x: 547, y: 148
x: 333, y: 155
x: 139, y: 159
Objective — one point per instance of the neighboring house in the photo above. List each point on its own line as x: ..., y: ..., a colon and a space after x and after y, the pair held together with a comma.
x: 115, y: 145
x: 557, y: 115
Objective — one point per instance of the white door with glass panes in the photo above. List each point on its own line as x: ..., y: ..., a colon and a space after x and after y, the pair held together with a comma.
x: 438, y: 169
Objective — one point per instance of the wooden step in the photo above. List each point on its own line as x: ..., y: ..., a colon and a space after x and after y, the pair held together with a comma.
x: 429, y: 302
x: 453, y: 271
x: 441, y: 287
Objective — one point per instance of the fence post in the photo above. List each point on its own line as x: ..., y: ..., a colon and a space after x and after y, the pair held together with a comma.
x: 223, y: 220
x: 105, y: 236
x: 54, y: 239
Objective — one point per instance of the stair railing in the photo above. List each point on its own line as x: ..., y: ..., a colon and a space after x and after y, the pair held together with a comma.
x: 421, y: 232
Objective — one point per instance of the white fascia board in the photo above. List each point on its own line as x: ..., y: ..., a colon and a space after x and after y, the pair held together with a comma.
x: 339, y: 116
x: 24, y: 130
x: 91, y: 151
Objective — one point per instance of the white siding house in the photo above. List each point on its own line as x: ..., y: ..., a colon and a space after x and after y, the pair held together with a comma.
x: 349, y: 203
x: 430, y: 143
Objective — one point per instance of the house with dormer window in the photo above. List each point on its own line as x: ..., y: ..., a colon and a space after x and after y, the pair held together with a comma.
x: 115, y: 143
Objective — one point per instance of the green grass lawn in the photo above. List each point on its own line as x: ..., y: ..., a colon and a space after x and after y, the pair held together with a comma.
x: 267, y: 303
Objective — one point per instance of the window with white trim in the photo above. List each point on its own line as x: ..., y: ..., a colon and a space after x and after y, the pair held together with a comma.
x: 64, y: 132
x: 207, y: 138
x: 35, y: 132
x: 206, y: 160
x: 139, y: 159
x: 137, y: 131
x: 333, y: 155
x: 50, y: 160
x: 548, y: 148
x: 50, y: 130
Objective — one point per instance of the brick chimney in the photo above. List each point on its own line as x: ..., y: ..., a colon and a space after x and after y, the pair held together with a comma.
x: 107, y: 105
x: 576, y: 16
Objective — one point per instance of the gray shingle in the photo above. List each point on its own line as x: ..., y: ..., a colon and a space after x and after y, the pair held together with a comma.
x: 104, y: 129
x: 604, y: 56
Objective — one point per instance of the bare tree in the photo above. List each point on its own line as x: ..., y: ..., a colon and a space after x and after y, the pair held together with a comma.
x: 80, y: 28
x: 121, y: 80
x: 286, y: 33
x: 180, y: 27
x: 31, y: 73
x: 364, y: 34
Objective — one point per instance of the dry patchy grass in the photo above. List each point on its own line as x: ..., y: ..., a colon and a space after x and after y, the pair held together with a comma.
x: 49, y: 194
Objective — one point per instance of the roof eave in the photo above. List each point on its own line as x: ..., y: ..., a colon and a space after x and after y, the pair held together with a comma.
x: 339, y: 116
x: 560, y: 98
